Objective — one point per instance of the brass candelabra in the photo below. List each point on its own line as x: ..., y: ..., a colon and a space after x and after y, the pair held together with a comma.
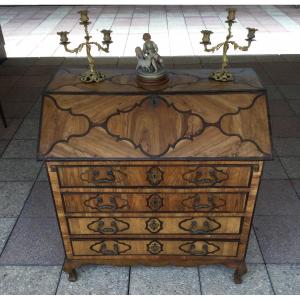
x: 90, y: 75
x: 223, y: 74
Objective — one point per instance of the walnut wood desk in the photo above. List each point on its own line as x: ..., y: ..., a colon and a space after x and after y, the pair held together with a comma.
x: 155, y: 177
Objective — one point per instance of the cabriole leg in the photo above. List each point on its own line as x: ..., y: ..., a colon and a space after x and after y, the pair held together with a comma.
x: 239, y: 272
x: 72, y: 275
x: 70, y: 269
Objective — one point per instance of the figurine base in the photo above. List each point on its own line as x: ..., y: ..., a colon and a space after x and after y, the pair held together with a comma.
x: 92, y: 76
x: 221, y: 76
x: 152, y: 79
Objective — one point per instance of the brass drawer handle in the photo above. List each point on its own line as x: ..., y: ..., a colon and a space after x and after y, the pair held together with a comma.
x: 210, y: 177
x: 110, y: 247
x: 213, y: 179
x: 105, y: 251
x: 111, y: 206
x: 116, y: 225
x: 194, y: 202
x: 207, y: 226
x: 210, y: 205
x: 205, y: 248
x: 108, y: 230
x: 193, y: 251
x: 113, y: 202
x: 194, y: 225
x: 93, y: 176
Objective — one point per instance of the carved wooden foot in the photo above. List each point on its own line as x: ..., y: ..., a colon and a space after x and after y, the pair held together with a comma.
x: 70, y: 268
x: 239, y: 272
x: 72, y: 275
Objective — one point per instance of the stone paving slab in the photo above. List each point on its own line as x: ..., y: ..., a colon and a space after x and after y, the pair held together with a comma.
x: 35, y: 111
x: 29, y: 280
x: 274, y: 170
x: 292, y: 166
x: 218, y: 280
x: 16, y: 110
x: 164, y: 281
x: 3, y: 144
x: 296, y: 184
x: 43, y: 174
x: 273, y: 92
x: 40, y: 202
x: 6, y: 225
x: 13, y: 125
x: 96, y: 280
x: 12, y: 197
x: 19, y: 169
x: 23, y: 94
x: 285, y: 278
x: 277, y: 197
x: 295, y: 105
x: 34, y: 241
x: 279, y: 238
x: 28, y: 130
x: 285, y: 127
x: 280, y: 107
x: 290, y: 91
x: 21, y: 149
x: 253, y: 255
x: 287, y: 146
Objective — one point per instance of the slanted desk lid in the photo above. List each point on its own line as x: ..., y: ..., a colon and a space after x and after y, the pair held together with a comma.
x: 197, y: 119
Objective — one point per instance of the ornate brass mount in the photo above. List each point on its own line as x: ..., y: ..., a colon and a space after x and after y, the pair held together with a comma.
x: 192, y: 225
x: 103, y: 202
x: 94, y: 176
x: 155, y: 202
x: 108, y: 225
x: 154, y: 225
x: 155, y: 247
x: 155, y: 175
x: 91, y: 75
x: 110, y: 247
x: 195, y: 202
x: 205, y: 176
x: 199, y: 248
x: 223, y: 74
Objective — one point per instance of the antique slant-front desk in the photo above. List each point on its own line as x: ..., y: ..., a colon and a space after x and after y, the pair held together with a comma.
x: 155, y: 176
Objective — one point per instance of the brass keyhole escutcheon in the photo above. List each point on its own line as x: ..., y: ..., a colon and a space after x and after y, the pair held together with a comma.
x: 155, y: 175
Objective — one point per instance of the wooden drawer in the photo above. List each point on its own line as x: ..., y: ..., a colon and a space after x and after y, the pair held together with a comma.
x: 198, y: 175
x: 162, y: 202
x: 154, y: 247
x: 155, y: 225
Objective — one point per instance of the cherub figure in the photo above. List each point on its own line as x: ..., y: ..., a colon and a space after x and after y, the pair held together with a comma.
x: 148, y: 59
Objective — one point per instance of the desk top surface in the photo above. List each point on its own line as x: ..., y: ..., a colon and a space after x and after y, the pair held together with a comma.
x: 120, y: 81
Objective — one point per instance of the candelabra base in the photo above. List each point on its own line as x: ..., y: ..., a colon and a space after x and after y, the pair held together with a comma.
x: 92, y: 76
x: 221, y: 76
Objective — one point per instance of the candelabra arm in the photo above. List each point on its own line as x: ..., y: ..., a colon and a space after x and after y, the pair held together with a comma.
x: 213, y: 49
x: 75, y: 50
x: 242, y: 48
x: 100, y: 47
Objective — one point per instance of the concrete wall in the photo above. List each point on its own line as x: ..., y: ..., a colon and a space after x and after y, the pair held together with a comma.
x: 2, y: 49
